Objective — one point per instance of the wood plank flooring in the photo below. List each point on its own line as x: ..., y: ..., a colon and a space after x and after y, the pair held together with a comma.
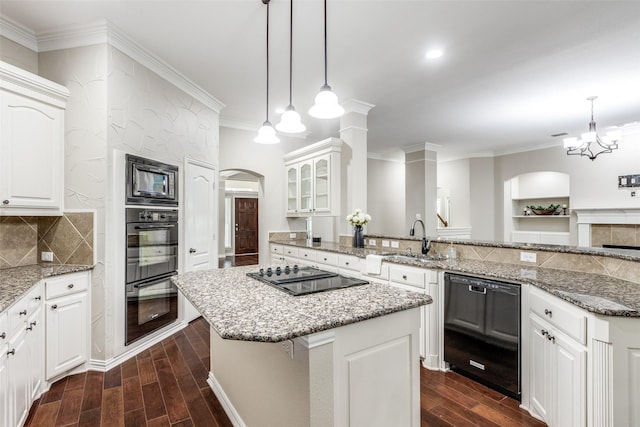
x: 166, y: 386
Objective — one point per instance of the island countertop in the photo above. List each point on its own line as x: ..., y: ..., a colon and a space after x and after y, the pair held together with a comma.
x: 241, y: 308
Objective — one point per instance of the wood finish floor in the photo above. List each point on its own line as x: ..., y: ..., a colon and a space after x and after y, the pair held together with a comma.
x: 166, y: 386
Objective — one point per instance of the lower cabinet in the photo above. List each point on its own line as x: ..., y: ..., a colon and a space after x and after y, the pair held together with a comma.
x: 557, y: 375
x: 66, y: 309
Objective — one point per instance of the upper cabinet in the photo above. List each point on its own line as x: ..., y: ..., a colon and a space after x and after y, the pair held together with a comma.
x: 312, y: 177
x: 31, y: 143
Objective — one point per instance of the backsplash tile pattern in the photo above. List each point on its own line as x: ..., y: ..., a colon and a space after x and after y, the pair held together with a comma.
x: 69, y: 237
x: 18, y: 237
x: 615, y: 234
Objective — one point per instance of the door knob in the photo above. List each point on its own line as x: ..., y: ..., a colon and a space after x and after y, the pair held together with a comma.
x: 192, y: 251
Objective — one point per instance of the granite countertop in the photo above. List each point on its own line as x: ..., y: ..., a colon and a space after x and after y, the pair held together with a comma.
x: 596, y: 293
x: 16, y: 281
x: 241, y: 308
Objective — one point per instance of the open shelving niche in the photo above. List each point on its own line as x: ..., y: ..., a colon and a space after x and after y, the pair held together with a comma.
x: 537, y: 188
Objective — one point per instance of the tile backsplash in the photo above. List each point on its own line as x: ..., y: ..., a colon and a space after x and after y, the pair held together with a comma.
x: 69, y: 237
x: 615, y: 234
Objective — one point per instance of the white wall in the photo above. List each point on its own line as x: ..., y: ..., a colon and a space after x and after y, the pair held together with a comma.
x: 482, y: 198
x: 18, y: 55
x: 386, y: 197
x: 454, y: 175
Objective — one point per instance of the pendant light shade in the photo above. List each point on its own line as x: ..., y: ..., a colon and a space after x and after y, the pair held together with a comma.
x: 267, y: 134
x: 290, y: 121
x: 326, y: 103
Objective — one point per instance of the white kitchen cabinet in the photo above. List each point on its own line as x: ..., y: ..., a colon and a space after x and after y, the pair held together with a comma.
x: 557, y: 360
x: 31, y: 143
x: 24, y: 357
x: 411, y: 279
x: 67, y: 317
x: 312, y: 177
x: 4, y: 372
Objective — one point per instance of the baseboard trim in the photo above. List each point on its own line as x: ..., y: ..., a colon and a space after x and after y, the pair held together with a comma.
x: 105, y: 365
x: 228, y: 407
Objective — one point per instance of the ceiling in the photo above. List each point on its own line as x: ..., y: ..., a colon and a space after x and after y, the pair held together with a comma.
x: 513, y: 72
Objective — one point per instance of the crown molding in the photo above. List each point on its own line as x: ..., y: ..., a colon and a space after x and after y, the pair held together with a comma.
x: 355, y: 106
x: 344, y: 129
x: 105, y: 32
x: 18, y: 33
x: 425, y: 146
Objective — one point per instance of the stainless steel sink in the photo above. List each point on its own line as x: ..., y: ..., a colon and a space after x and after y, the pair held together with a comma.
x: 414, y: 258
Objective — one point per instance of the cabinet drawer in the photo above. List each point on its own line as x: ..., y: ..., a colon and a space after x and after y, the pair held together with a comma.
x: 327, y: 258
x: 290, y: 251
x: 277, y: 249
x: 560, y: 314
x: 66, y: 285
x: 306, y: 254
x: 349, y: 262
x: 21, y: 310
x: 407, y: 275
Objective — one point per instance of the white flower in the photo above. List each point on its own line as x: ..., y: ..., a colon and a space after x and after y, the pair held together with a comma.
x: 358, y: 218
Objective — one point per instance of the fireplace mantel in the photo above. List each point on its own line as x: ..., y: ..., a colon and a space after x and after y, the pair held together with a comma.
x: 588, y: 216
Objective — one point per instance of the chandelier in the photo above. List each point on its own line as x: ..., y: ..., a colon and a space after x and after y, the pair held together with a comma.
x: 591, y: 144
x: 267, y: 134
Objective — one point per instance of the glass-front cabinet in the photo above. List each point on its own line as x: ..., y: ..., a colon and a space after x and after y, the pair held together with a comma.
x: 312, y: 177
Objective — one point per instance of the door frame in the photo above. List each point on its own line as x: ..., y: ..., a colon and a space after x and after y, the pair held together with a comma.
x: 238, y: 195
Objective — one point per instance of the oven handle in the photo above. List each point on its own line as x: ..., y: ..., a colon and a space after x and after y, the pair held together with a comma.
x: 154, y: 280
x: 156, y: 226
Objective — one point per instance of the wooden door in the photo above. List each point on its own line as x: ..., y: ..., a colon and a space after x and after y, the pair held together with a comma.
x: 246, y: 226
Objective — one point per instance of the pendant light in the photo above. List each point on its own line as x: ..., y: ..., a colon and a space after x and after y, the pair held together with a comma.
x: 267, y: 134
x: 290, y: 121
x: 326, y: 103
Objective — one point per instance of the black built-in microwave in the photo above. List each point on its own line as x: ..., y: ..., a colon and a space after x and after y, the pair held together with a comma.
x: 150, y: 182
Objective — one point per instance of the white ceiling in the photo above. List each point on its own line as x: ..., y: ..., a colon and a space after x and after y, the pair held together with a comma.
x: 513, y: 73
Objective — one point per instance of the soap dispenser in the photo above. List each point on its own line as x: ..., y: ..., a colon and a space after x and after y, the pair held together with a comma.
x: 451, y: 252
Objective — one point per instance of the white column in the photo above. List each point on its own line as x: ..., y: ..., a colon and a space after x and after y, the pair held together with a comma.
x: 353, y: 131
x: 421, y: 169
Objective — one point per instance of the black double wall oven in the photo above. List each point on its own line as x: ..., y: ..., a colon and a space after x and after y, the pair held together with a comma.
x: 151, y: 259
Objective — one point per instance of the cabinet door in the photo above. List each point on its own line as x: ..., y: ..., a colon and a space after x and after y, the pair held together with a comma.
x: 18, y: 369
x: 4, y: 389
x: 66, y: 333
x: 35, y: 353
x: 322, y: 184
x: 540, y: 368
x: 293, y: 198
x: 423, y: 317
x: 31, y: 154
x: 306, y: 187
x: 569, y: 382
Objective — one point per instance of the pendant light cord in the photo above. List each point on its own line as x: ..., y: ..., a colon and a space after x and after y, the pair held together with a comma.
x: 267, y: 60
x: 325, y: 42
x: 290, y: 52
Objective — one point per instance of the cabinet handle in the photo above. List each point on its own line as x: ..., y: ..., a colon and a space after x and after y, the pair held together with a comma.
x: 54, y: 306
x: 551, y: 338
x: 544, y: 333
x: 192, y: 251
x: 70, y: 286
x: 3, y: 335
x: 548, y: 312
x: 34, y: 323
x: 23, y: 313
x: 38, y: 298
x: 29, y: 328
x: 5, y: 202
x: 11, y: 352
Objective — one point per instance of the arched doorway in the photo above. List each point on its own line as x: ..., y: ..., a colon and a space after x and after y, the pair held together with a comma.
x: 239, y: 218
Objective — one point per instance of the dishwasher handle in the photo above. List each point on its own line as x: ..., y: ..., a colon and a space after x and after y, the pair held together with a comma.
x: 478, y: 289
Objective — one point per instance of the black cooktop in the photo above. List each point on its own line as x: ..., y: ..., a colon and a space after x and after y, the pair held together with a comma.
x: 304, y: 280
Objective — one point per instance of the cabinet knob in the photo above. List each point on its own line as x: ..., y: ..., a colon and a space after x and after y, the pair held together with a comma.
x: 192, y: 251
x: 70, y: 286
x: 23, y: 313
x: 54, y: 306
x: 5, y: 202
x: 325, y: 259
x: 346, y: 263
x: 548, y: 312
x: 404, y: 276
x: 3, y: 335
x: 11, y: 352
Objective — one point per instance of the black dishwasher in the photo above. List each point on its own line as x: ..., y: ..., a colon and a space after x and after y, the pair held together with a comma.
x: 482, y: 331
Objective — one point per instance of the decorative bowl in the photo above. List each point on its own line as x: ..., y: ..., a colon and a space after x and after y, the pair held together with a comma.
x: 543, y: 211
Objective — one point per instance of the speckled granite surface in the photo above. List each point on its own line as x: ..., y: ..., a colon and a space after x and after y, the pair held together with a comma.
x: 15, y: 282
x: 242, y: 308
x: 597, y: 293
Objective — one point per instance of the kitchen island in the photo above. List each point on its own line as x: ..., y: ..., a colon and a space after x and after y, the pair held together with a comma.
x: 343, y: 357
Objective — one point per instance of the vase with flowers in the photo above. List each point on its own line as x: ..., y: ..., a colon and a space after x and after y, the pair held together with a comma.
x: 358, y: 219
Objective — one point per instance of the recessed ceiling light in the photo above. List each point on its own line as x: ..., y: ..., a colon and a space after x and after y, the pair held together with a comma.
x: 434, y: 53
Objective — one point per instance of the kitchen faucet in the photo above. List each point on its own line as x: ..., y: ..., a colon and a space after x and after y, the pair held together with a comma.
x: 426, y: 245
